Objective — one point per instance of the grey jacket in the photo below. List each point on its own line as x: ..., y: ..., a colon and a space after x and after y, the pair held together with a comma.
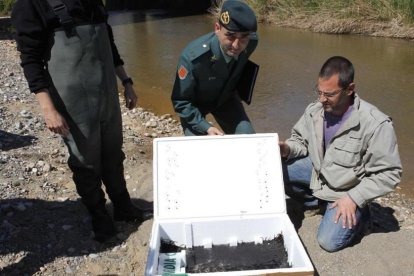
x: 361, y: 160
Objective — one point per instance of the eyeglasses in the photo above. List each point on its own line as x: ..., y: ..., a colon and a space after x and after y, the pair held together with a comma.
x: 327, y: 94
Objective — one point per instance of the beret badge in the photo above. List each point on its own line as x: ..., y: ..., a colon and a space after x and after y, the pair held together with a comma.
x: 225, y: 18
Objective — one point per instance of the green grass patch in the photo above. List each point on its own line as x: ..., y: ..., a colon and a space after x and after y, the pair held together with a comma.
x: 6, y: 6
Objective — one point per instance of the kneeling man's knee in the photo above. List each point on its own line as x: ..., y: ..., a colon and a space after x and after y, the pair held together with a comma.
x: 328, y: 243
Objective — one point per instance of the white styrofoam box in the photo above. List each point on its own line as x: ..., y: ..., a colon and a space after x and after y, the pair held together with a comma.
x: 207, y: 176
x: 221, y: 190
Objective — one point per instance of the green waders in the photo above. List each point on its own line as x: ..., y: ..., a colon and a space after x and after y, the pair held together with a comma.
x: 85, y: 92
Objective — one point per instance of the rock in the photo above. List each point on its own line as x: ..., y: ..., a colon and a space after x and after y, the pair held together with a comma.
x: 6, y: 230
x: 18, y: 125
x: 151, y: 123
x: 67, y: 227
x: 21, y: 207
x: 29, y: 166
x: 25, y: 114
x: 62, y: 199
x: 46, y: 167
x: 165, y: 116
x: 16, y: 183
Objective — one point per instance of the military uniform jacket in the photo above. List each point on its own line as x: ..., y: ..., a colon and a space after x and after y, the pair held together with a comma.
x: 203, y: 81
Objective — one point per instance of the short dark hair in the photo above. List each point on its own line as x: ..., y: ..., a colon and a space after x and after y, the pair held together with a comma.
x: 341, y: 66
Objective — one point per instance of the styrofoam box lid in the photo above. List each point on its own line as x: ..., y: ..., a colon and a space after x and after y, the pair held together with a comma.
x: 210, y: 176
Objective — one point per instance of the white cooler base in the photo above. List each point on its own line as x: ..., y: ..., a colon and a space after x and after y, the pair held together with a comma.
x: 207, y: 232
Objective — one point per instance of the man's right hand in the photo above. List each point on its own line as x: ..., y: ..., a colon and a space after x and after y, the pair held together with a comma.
x: 54, y: 120
x: 284, y: 149
x: 214, y: 131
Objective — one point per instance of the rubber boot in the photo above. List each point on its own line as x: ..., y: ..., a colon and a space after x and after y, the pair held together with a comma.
x: 102, y: 224
x: 125, y: 210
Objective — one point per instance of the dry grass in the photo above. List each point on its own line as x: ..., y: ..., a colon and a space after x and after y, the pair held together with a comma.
x: 382, y: 10
x: 386, y: 18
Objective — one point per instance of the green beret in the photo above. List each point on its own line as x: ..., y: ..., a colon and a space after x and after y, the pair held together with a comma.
x: 237, y: 16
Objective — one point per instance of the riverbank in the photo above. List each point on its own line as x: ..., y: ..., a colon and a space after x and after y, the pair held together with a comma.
x: 44, y: 229
x: 325, y: 24
x: 373, y: 18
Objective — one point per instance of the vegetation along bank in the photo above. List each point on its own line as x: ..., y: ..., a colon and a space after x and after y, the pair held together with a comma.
x: 386, y: 18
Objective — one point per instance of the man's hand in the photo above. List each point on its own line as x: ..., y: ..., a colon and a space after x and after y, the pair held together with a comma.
x: 54, y: 120
x: 346, y: 209
x: 284, y: 149
x: 129, y: 93
x: 130, y: 97
x: 214, y: 131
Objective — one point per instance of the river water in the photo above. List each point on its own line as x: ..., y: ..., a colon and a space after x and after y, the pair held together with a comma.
x: 289, y: 60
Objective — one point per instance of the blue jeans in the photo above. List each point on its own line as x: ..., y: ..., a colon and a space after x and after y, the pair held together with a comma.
x: 331, y: 236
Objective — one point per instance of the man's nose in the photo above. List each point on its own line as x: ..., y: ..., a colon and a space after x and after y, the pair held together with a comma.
x: 322, y: 98
x: 236, y: 43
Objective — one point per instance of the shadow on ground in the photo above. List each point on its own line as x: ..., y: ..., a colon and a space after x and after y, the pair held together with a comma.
x: 36, y: 232
x: 6, y: 31
x: 382, y: 221
x: 382, y: 218
x: 9, y: 141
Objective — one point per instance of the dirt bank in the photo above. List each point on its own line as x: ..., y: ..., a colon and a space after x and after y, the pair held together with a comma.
x: 323, y: 23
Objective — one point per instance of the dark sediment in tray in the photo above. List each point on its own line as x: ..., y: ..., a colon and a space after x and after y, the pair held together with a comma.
x: 270, y: 254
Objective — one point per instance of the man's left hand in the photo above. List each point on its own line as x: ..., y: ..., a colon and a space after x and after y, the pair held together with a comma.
x: 130, y: 97
x: 346, y: 210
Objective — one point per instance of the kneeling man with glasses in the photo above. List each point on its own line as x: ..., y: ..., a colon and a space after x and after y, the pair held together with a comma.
x: 341, y: 155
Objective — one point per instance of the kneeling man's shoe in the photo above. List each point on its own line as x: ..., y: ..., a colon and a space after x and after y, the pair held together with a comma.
x: 314, y: 210
x: 307, y: 213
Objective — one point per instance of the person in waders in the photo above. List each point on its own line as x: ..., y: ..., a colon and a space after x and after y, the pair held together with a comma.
x: 71, y: 62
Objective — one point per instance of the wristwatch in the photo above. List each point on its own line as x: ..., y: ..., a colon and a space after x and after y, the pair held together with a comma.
x: 126, y: 81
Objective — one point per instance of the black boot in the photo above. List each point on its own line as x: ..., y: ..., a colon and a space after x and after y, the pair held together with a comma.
x: 102, y: 224
x: 125, y: 210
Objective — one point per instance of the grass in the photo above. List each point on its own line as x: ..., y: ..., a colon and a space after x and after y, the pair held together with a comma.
x: 6, y: 7
x: 378, y: 10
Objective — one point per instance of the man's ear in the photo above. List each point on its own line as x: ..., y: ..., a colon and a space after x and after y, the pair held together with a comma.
x: 217, y: 27
x: 351, y: 88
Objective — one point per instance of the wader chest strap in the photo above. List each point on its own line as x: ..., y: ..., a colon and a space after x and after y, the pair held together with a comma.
x: 62, y: 13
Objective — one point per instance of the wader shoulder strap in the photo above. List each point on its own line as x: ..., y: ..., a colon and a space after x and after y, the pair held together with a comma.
x: 62, y: 13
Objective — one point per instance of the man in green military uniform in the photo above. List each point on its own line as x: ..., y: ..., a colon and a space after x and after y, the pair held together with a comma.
x: 209, y: 70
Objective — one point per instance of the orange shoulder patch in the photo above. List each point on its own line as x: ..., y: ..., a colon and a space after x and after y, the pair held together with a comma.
x: 182, y: 72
